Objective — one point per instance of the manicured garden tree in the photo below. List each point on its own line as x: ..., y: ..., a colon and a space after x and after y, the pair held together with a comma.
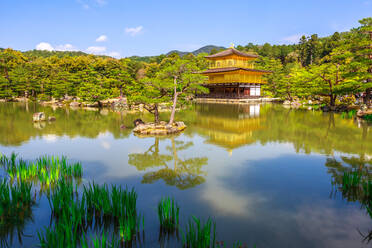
x: 9, y: 59
x: 326, y: 79
x: 93, y: 88
x: 183, y: 76
x: 150, y: 91
x: 359, y: 55
x: 280, y: 83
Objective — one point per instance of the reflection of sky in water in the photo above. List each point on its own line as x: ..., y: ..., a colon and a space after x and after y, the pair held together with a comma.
x: 263, y: 193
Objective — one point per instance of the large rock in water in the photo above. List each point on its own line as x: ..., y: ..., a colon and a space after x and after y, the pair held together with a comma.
x: 39, y: 116
x: 137, y: 122
x: 159, y: 129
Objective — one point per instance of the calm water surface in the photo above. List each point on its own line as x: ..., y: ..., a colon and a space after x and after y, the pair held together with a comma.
x: 263, y: 172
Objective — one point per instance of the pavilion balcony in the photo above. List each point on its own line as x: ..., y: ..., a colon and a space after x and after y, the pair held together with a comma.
x: 226, y: 96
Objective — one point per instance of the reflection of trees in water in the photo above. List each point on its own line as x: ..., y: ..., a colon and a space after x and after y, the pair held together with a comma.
x: 184, y: 172
x: 314, y: 131
x: 360, y: 166
x: 13, y: 228
x: 16, y: 124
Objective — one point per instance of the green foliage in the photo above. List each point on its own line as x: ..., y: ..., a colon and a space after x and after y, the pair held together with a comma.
x: 174, y: 78
x: 168, y: 213
x: 46, y: 170
x: 199, y: 235
x: 368, y: 117
x: 15, y: 202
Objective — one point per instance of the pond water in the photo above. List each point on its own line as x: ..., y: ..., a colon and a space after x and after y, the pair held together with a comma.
x: 264, y: 173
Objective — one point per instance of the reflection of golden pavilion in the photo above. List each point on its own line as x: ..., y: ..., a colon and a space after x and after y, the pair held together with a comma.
x: 230, y: 132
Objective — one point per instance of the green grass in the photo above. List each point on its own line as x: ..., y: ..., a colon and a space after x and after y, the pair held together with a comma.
x: 199, y: 235
x: 168, y: 213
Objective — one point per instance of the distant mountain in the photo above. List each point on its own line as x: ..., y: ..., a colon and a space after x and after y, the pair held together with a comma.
x: 204, y: 49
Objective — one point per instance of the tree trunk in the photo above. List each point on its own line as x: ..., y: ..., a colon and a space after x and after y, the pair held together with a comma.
x: 332, y: 100
x: 121, y: 91
x: 156, y: 113
x: 171, y: 120
x: 367, y: 99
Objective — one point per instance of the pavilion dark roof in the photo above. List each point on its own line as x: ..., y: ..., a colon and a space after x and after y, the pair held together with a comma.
x: 231, y: 51
x: 227, y: 69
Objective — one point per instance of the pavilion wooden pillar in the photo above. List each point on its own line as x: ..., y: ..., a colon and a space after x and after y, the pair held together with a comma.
x: 238, y: 91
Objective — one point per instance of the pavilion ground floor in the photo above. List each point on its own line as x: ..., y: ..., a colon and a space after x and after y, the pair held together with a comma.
x: 232, y: 91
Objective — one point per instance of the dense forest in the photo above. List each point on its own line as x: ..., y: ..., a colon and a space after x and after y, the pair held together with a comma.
x: 329, y: 68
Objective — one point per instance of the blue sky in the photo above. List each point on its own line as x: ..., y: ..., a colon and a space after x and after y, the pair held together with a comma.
x: 145, y: 27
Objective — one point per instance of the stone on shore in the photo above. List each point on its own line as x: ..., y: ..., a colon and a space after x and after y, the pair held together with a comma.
x: 161, y: 128
x: 39, y: 116
x: 75, y: 104
x: 362, y: 113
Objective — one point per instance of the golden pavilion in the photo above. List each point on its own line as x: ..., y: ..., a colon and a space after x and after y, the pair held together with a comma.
x: 231, y: 75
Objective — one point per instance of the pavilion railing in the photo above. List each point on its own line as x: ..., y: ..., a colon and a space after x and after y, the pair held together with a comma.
x: 226, y: 96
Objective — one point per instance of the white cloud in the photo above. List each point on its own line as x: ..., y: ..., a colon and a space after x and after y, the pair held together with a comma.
x: 44, y: 46
x: 49, y: 47
x: 293, y: 38
x: 102, y: 38
x: 96, y: 49
x: 113, y: 54
x: 65, y: 47
x: 101, y: 2
x: 134, y: 31
x: 50, y: 138
x: 106, y: 145
x: 83, y: 4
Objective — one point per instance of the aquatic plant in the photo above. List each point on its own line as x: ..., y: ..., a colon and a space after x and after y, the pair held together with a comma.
x: 349, y: 114
x: 198, y: 235
x: 368, y: 117
x: 237, y: 244
x: 117, y: 203
x: 358, y: 187
x: 168, y: 213
x: 47, y: 169
x: 351, y: 180
x: 100, y: 242
x: 15, y: 201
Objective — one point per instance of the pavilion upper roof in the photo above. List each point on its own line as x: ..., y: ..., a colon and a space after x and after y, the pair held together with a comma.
x: 231, y: 51
x: 228, y: 69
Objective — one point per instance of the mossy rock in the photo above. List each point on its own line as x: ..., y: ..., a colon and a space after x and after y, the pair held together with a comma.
x: 159, y: 129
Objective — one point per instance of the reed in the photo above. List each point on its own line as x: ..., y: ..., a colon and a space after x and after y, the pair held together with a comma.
x: 15, y: 201
x: 100, y: 242
x: 117, y: 202
x: 351, y: 179
x: 349, y: 114
x: 168, y: 213
x: 198, y: 235
x: 70, y: 217
x: 368, y: 117
x: 46, y: 170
